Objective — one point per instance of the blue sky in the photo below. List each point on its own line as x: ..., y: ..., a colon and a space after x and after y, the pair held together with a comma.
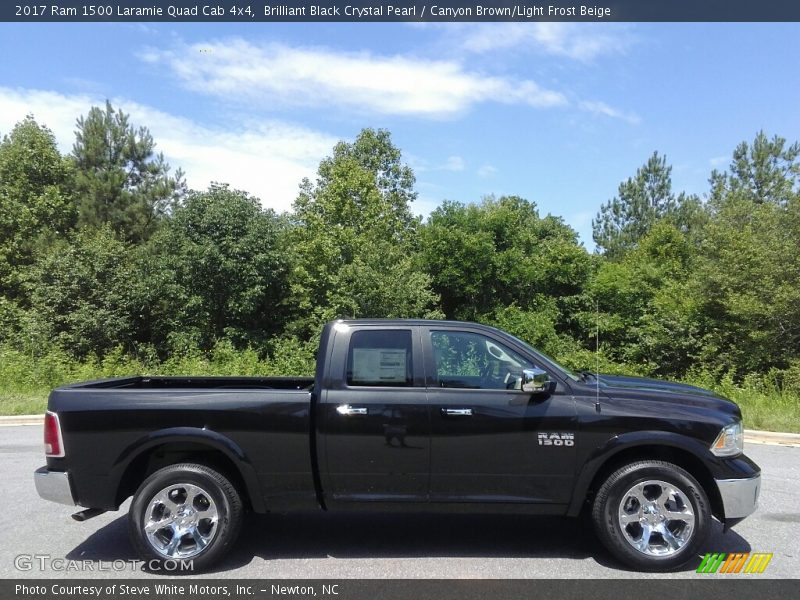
x: 558, y: 113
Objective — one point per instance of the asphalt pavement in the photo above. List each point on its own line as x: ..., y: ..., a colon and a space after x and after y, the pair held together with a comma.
x: 39, y: 539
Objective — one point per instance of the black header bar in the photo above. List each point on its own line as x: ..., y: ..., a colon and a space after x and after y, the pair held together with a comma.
x: 401, y: 11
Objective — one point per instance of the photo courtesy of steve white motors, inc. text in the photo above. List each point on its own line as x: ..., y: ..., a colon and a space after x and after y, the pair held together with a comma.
x: 175, y: 589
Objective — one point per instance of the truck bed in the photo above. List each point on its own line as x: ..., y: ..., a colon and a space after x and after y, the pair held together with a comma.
x: 203, y: 383
x: 261, y: 423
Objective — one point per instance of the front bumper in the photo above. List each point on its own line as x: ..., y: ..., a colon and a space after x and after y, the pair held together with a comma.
x: 739, y: 496
x: 53, y: 486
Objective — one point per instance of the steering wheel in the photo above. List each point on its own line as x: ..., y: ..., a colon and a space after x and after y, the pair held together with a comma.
x: 495, y: 378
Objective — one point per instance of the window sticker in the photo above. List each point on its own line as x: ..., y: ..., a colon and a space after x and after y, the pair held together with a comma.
x: 379, y: 364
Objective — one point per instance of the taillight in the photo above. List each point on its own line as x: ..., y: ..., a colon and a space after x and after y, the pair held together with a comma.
x: 53, y: 443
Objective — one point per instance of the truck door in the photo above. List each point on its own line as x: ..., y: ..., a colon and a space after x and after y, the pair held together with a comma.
x: 489, y: 441
x: 374, y: 425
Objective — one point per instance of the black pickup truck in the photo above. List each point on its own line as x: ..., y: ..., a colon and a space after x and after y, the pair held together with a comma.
x: 403, y: 415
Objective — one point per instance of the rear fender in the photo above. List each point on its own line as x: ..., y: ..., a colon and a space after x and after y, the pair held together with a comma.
x: 205, y: 437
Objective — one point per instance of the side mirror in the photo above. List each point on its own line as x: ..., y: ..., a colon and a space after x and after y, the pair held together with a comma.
x: 536, y: 381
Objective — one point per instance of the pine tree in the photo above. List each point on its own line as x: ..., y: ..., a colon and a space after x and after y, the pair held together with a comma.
x: 121, y: 181
x: 641, y: 201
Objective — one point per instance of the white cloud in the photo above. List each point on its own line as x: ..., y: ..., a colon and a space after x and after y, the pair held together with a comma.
x: 603, y: 109
x: 454, y: 163
x: 579, y: 41
x: 266, y: 158
x: 425, y: 205
x: 56, y: 111
x: 279, y: 75
x: 487, y: 171
x: 719, y: 161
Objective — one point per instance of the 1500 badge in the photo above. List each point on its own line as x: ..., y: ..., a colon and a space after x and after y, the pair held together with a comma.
x: 556, y: 439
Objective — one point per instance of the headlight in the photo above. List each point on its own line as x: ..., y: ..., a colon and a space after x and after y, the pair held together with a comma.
x: 730, y: 440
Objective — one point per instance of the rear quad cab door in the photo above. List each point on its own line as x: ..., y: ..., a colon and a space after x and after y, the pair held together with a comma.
x: 491, y: 443
x: 374, y: 429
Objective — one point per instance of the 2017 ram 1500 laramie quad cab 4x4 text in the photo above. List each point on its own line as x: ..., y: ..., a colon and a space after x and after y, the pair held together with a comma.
x: 403, y: 415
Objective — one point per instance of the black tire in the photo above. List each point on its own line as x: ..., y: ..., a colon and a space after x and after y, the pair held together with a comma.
x: 607, y: 524
x: 215, y: 488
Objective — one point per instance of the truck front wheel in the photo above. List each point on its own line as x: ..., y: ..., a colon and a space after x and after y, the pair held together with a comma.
x: 652, y: 515
x: 185, y: 512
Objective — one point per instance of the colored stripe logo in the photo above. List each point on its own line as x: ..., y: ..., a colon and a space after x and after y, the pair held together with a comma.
x: 736, y: 562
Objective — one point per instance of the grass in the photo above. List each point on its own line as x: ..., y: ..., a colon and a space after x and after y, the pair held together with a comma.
x: 18, y: 403
x: 26, y: 381
x: 769, y: 411
x: 764, y: 405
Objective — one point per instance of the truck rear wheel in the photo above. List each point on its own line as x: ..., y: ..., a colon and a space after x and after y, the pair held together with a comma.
x: 652, y: 515
x: 185, y: 512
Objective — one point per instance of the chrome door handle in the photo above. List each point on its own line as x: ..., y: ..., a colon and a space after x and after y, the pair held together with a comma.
x: 457, y: 412
x: 349, y: 411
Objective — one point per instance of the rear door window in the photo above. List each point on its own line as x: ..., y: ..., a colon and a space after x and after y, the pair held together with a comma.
x: 380, y: 358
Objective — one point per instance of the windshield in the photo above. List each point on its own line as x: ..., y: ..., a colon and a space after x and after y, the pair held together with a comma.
x: 569, y: 373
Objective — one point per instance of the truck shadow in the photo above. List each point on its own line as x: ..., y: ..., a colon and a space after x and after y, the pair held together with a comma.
x: 381, y: 535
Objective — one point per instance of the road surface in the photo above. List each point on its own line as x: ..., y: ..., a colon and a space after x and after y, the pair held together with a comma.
x: 330, y: 546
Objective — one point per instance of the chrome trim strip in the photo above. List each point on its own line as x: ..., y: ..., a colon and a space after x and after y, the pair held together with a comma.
x: 53, y: 486
x: 739, y: 496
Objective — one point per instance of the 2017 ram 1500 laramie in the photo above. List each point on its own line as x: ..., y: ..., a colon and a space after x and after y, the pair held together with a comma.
x: 403, y: 415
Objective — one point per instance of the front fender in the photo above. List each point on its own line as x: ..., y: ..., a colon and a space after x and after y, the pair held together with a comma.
x: 601, y: 455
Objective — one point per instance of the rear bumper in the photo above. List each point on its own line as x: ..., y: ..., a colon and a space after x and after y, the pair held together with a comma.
x: 54, y: 486
x: 739, y: 496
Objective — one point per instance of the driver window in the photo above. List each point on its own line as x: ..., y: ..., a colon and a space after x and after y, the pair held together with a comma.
x: 473, y: 361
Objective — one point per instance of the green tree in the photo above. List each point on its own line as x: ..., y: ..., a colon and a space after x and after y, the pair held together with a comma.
x: 35, y: 202
x: 498, y: 253
x: 382, y: 282
x: 641, y: 201
x: 646, y: 307
x: 353, y: 237
x: 724, y: 296
x: 83, y: 294
x: 766, y: 171
x: 121, y: 181
x: 749, y: 278
x: 222, y: 268
x: 749, y: 282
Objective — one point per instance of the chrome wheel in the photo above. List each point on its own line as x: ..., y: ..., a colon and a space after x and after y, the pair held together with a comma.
x: 656, y: 518
x: 180, y: 520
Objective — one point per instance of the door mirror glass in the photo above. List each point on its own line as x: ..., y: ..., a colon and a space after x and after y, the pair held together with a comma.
x: 535, y: 381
